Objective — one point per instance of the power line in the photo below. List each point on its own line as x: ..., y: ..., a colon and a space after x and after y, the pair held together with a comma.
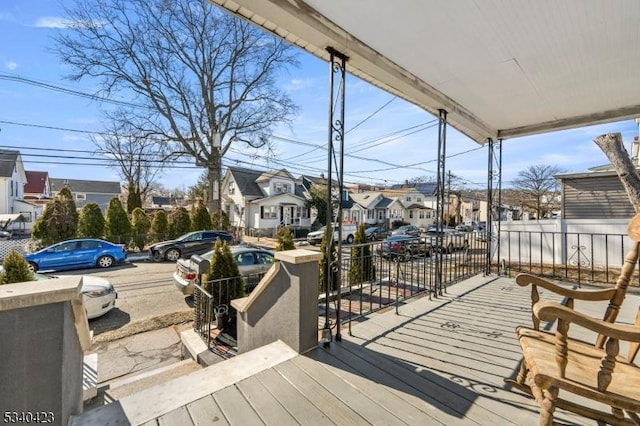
x: 72, y: 92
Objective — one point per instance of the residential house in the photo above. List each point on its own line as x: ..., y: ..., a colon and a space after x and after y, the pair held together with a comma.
x: 17, y: 213
x: 86, y: 191
x: 263, y: 200
x: 364, y: 209
x: 37, y: 190
x: 473, y: 209
x: 594, y: 194
x: 412, y: 203
x: 160, y: 202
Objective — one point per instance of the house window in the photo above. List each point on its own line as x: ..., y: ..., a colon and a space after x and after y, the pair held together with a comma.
x: 410, y: 214
x: 268, y: 212
x: 280, y: 188
x: 232, y: 188
x: 421, y: 214
x: 419, y: 199
x: 27, y: 216
x: 81, y: 196
x: 302, y: 212
x: 12, y: 188
x: 409, y: 199
x: 380, y: 215
x: 370, y: 214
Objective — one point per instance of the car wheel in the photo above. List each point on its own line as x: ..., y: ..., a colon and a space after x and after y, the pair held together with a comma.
x: 172, y: 255
x: 157, y: 257
x: 350, y: 239
x: 33, y: 267
x: 105, y: 261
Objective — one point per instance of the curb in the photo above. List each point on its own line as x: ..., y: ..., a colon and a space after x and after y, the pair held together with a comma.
x: 144, y: 325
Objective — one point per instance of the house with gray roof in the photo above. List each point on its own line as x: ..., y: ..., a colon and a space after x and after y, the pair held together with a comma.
x: 86, y: 191
x: 262, y: 201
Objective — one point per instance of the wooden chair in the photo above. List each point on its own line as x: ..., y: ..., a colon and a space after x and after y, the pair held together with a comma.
x: 554, y: 361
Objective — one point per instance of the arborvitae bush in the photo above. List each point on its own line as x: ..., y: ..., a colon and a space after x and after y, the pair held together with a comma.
x: 224, y: 282
x: 323, y: 262
x: 179, y: 222
x: 133, y: 198
x: 91, y: 222
x: 117, y: 227
x: 224, y: 226
x: 200, y: 218
x: 71, y: 211
x: 140, y: 225
x: 285, y: 239
x: 58, y: 222
x: 159, y: 226
x: 16, y: 269
x: 362, y: 268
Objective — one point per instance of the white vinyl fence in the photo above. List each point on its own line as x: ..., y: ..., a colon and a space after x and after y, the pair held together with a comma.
x: 584, y: 243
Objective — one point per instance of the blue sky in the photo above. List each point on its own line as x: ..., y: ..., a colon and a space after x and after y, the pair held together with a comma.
x: 393, y: 139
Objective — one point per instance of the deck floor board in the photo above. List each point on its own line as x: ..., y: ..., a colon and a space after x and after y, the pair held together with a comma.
x: 434, y: 361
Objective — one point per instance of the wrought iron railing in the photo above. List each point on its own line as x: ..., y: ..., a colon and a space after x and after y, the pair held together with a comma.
x: 390, y: 274
x: 214, y: 319
x: 579, y: 258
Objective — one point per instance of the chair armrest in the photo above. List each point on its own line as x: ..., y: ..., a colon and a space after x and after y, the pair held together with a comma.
x: 524, y: 280
x: 550, y: 311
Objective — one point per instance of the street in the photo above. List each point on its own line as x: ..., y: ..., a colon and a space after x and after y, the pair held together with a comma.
x: 145, y: 291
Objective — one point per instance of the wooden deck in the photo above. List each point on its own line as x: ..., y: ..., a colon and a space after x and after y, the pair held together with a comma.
x: 439, y: 361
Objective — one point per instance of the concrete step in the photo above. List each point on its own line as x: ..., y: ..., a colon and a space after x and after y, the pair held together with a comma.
x: 90, y: 376
x: 117, y: 389
x: 152, y: 402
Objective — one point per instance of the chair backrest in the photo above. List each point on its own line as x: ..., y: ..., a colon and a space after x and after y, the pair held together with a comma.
x: 617, y: 295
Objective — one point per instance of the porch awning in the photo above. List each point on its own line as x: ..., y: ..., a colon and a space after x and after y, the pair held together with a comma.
x: 500, y: 69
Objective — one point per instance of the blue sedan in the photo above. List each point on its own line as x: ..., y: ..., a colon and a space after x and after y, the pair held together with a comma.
x: 73, y: 254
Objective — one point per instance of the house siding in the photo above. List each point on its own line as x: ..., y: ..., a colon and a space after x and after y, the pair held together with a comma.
x: 595, y: 198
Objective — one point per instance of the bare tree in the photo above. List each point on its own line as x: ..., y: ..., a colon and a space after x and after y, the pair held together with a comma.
x: 138, y: 158
x: 202, y: 79
x: 538, y: 187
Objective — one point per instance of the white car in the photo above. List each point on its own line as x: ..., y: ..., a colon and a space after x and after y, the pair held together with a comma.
x: 98, y: 294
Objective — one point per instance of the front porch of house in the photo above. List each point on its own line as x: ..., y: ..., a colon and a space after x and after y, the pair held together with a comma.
x: 438, y: 361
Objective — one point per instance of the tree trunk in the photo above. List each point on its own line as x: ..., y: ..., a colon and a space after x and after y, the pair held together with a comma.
x: 611, y: 145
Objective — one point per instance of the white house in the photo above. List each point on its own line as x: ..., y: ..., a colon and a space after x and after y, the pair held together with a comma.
x: 14, y: 209
x: 364, y: 210
x: 264, y: 200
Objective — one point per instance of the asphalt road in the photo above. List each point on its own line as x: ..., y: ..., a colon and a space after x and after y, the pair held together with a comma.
x: 145, y: 290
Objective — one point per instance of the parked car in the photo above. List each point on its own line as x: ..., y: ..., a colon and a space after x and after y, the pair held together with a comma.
x: 451, y: 240
x: 403, y: 247
x: 463, y: 227
x: 187, y: 245
x: 75, y: 254
x: 253, y: 262
x: 410, y: 230
x: 376, y: 233
x: 348, y: 234
x: 98, y: 294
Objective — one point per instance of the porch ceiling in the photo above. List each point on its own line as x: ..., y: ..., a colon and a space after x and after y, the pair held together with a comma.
x: 500, y: 69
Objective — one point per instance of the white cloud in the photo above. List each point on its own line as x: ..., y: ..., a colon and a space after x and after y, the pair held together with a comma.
x: 54, y: 22
x: 11, y: 65
x: 299, y: 84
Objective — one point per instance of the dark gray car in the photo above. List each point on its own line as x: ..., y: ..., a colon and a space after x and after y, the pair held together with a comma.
x: 187, y: 245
